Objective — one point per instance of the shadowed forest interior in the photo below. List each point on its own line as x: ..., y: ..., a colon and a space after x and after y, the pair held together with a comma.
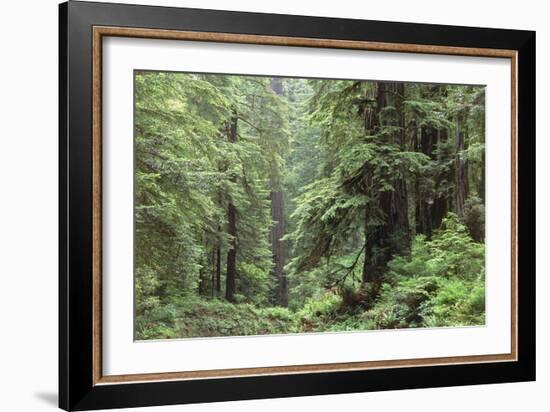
x: 269, y: 205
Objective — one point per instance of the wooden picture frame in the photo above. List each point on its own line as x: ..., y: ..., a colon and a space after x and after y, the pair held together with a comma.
x: 82, y: 384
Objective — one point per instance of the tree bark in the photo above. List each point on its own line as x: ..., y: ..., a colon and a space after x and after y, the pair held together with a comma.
x: 203, y: 286
x: 277, y: 85
x: 393, y: 236
x: 481, y: 189
x: 278, y: 249
x: 424, y: 201
x: 218, y: 254
x: 218, y: 270
x: 231, y: 274
x: 280, y: 293
x: 431, y: 207
x: 213, y: 276
x: 461, y: 171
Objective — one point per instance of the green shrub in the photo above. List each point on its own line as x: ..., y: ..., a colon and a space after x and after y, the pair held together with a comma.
x: 450, y: 253
x: 146, y: 287
x: 194, y: 317
x: 319, y: 313
x: 442, y: 282
x: 352, y: 323
x: 157, y: 323
x: 255, y: 281
x: 454, y: 253
x: 399, y: 305
x: 304, y: 285
x: 457, y: 303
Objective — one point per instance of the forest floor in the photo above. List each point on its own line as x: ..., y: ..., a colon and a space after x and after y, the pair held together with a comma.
x: 214, y: 317
x: 424, y: 301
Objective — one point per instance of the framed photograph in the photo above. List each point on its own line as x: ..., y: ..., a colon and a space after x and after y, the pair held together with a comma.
x: 257, y: 205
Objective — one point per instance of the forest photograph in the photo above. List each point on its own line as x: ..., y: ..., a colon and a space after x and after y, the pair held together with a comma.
x: 276, y: 205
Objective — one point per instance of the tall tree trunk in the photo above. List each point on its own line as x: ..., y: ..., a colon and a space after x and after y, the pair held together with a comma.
x: 441, y: 199
x: 424, y: 201
x: 412, y: 184
x: 213, y: 277
x: 203, y: 287
x: 231, y: 274
x: 277, y: 85
x: 280, y: 295
x: 391, y: 238
x: 218, y: 254
x: 461, y: 171
x: 231, y: 253
x: 278, y: 249
x: 432, y: 207
x: 481, y: 188
x: 218, y: 270
x: 202, y: 283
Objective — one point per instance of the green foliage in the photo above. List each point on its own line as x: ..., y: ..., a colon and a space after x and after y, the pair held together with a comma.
x: 217, y: 318
x: 399, y: 306
x: 255, y: 281
x: 377, y: 233
x: 318, y: 313
x: 432, y: 287
x: 187, y: 171
x: 157, y: 323
x: 442, y: 282
x: 457, y: 303
x: 450, y: 253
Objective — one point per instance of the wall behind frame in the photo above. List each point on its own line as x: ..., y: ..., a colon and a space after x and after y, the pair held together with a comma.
x: 28, y: 210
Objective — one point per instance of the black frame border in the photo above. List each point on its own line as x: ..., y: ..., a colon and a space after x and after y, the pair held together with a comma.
x: 76, y: 388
